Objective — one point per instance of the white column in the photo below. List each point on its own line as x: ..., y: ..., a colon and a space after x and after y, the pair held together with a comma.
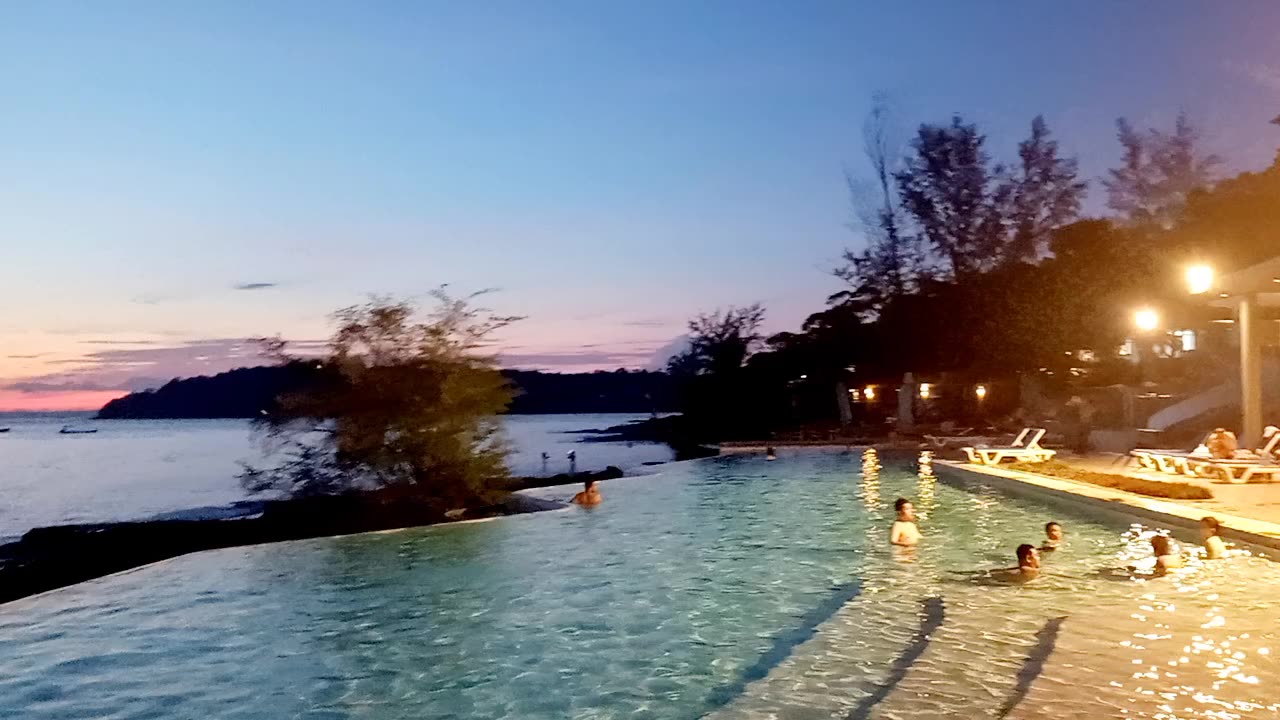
x: 1250, y: 371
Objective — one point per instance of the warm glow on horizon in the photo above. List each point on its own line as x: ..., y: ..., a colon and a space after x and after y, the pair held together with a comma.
x: 67, y: 400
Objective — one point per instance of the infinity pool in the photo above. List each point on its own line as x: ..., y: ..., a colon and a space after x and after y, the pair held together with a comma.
x: 731, y: 587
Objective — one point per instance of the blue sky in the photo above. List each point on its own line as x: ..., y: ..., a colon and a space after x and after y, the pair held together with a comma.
x: 611, y: 167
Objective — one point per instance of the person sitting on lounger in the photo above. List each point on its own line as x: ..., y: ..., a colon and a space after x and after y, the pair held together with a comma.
x: 1167, y: 554
x: 1222, y: 444
x: 1210, y: 530
x: 589, y: 496
x: 1053, y: 537
x: 904, y: 530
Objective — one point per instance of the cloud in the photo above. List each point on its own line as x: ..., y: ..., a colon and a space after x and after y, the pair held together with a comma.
x: 648, y: 323
x: 119, y: 342
x: 1268, y: 76
x: 32, y: 356
x: 115, y: 367
x: 582, y: 359
x: 658, y: 359
x: 254, y: 285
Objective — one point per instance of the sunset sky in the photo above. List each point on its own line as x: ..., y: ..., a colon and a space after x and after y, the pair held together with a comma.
x: 178, y: 177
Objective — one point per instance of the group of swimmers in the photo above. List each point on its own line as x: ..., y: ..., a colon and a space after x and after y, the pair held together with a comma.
x: 1168, y: 556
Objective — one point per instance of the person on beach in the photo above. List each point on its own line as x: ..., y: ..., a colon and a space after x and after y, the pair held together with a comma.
x: 1167, y: 555
x: 590, y: 495
x: 1210, y: 532
x: 1053, y: 537
x: 904, y: 532
x: 770, y: 453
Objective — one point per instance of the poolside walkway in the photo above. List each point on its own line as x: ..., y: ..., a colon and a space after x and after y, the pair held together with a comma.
x: 1257, y: 501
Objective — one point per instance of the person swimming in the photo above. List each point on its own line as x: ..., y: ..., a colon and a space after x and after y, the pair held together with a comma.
x: 770, y: 453
x: 589, y: 496
x: 1167, y: 554
x: 1053, y: 537
x: 904, y: 532
x: 1028, y: 561
x: 1211, y: 533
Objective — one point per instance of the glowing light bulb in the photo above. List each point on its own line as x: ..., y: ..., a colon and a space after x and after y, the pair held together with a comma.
x: 1199, y: 279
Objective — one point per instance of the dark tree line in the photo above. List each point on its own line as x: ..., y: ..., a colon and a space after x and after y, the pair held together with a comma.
x: 980, y: 269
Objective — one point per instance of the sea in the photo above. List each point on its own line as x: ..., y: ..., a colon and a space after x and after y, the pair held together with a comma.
x: 138, y: 469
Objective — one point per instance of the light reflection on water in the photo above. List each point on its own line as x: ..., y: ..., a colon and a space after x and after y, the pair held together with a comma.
x: 646, y: 606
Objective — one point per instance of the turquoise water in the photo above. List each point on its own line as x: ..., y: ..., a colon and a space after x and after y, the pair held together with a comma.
x: 733, y: 587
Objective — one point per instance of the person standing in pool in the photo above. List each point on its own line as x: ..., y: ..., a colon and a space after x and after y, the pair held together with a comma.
x: 1210, y: 531
x: 1053, y: 537
x: 904, y: 532
x: 590, y: 495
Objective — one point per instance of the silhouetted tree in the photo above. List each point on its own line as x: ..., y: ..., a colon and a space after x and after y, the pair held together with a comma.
x: 892, y: 263
x: 1044, y: 194
x: 710, y: 373
x: 1158, y: 171
x: 411, y: 410
x: 954, y: 196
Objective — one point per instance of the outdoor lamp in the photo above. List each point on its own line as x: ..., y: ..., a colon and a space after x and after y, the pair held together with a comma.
x: 1199, y: 279
x: 1146, y: 319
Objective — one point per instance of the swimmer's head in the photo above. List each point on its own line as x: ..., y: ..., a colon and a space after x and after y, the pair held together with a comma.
x: 589, y: 484
x: 1209, y: 526
x: 906, y: 511
x: 1027, y: 556
x: 1053, y: 531
x: 1162, y: 545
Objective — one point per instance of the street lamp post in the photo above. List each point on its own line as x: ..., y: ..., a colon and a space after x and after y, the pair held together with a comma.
x: 1201, y: 279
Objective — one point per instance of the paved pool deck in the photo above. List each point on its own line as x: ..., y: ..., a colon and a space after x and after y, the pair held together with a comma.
x: 1257, y: 501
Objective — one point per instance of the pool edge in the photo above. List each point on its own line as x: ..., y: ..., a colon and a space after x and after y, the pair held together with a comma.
x: 1259, y: 534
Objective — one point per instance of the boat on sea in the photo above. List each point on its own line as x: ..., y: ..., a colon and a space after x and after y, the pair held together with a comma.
x: 68, y: 430
x: 5, y: 430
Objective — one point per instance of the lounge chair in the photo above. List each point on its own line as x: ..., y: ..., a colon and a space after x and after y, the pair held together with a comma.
x: 1023, y: 449
x: 1169, y: 460
x: 1200, y: 462
x: 1243, y: 468
x: 959, y: 438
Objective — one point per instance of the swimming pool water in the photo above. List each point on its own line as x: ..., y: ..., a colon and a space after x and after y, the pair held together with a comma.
x: 732, y: 587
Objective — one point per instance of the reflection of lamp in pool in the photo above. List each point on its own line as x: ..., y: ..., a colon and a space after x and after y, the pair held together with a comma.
x: 926, y: 481
x: 926, y: 390
x: 871, y: 479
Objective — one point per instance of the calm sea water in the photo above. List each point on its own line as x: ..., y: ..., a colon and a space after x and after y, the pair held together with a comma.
x: 734, y: 587
x: 132, y: 469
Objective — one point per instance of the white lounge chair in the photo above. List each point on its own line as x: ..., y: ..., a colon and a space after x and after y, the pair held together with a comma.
x: 1170, y: 461
x: 1235, y: 471
x: 1243, y: 468
x: 1023, y: 449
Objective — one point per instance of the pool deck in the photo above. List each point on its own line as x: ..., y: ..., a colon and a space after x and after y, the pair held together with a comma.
x: 1249, y: 513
